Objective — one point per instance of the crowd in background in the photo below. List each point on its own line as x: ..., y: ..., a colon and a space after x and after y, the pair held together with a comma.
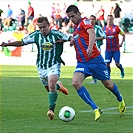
x: 59, y: 20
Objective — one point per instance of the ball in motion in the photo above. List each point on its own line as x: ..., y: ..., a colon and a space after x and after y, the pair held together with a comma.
x: 66, y: 113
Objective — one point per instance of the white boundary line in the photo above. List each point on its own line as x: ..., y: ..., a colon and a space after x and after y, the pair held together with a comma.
x: 107, y: 109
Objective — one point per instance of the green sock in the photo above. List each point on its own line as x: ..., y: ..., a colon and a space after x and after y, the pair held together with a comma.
x: 52, y: 96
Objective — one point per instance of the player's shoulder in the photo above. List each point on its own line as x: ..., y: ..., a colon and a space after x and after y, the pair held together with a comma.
x: 86, y: 21
x: 117, y: 27
x: 54, y: 31
x: 36, y: 32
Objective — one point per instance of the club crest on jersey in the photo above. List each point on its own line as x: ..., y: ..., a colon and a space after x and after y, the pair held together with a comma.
x: 86, y: 21
x: 47, y: 46
x: 113, y: 29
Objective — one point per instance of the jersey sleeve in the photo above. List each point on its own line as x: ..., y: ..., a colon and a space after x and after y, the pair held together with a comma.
x: 29, y: 39
x: 121, y: 32
x: 86, y: 23
x: 62, y: 36
x: 101, y: 32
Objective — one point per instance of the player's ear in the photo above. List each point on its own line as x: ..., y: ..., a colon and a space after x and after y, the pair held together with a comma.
x: 78, y: 13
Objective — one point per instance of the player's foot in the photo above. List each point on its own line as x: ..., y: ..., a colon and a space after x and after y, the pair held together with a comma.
x: 122, y: 74
x: 50, y: 115
x: 93, y: 81
x: 122, y: 107
x: 62, y: 88
x: 97, y: 113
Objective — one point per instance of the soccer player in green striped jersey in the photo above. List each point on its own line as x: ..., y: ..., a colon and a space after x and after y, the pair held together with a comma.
x: 100, y: 35
x: 48, y: 59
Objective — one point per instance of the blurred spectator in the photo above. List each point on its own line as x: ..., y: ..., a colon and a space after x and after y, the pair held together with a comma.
x: 70, y: 26
x: 112, y: 11
x: 127, y: 24
x: 53, y: 8
x: 1, y: 26
x: 58, y: 15
x: 92, y: 10
x: 21, y: 19
x: 100, y: 17
x: 30, y: 14
x: 35, y: 22
x: 64, y: 28
x: 63, y: 14
x: 30, y: 27
x: 8, y: 19
x: 53, y: 24
x: 117, y: 14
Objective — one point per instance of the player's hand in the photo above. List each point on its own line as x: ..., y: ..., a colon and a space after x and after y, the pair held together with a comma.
x: 3, y: 44
x: 60, y: 41
x: 89, y: 51
x: 119, y: 45
x: 72, y: 41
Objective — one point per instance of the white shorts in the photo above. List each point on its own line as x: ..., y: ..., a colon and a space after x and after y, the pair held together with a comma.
x: 45, y: 73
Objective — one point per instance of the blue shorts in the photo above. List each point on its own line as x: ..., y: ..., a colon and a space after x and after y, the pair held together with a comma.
x: 115, y: 55
x: 95, y: 67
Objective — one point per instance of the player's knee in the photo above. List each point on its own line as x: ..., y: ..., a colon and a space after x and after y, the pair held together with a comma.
x: 75, y: 84
x: 118, y: 65
x: 51, y: 87
x: 110, y: 86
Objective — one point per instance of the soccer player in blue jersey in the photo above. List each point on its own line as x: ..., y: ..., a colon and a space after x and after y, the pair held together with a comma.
x: 48, y: 59
x: 100, y: 35
x: 89, y: 61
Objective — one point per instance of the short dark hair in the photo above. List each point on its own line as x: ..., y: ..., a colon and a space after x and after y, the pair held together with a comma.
x: 93, y: 16
x: 72, y: 8
x: 110, y: 16
x: 41, y: 19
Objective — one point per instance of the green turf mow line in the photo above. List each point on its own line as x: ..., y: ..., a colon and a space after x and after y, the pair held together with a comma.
x: 108, y: 109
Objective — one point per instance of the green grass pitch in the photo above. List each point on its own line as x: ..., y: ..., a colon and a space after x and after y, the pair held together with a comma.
x: 24, y: 103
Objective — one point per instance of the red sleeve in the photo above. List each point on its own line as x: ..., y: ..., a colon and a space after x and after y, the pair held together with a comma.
x: 86, y: 24
x: 118, y: 29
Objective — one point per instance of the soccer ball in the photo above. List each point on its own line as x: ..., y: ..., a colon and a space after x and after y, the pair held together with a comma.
x: 66, y: 114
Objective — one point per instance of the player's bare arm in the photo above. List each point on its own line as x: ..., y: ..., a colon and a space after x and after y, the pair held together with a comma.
x: 123, y: 40
x: 92, y: 37
x: 16, y: 43
x: 100, y: 38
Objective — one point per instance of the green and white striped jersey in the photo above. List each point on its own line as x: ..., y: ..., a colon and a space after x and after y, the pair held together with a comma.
x: 99, y: 33
x: 49, y: 53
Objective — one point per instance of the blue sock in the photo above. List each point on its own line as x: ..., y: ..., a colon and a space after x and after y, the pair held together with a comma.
x: 83, y: 93
x: 109, y: 70
x: 121, y: 68
x: 116, y: 92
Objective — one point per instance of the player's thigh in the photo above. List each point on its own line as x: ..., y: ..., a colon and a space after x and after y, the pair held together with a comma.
x: 83, y: 68
x: 116, y: 57
x: 78, y: 78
